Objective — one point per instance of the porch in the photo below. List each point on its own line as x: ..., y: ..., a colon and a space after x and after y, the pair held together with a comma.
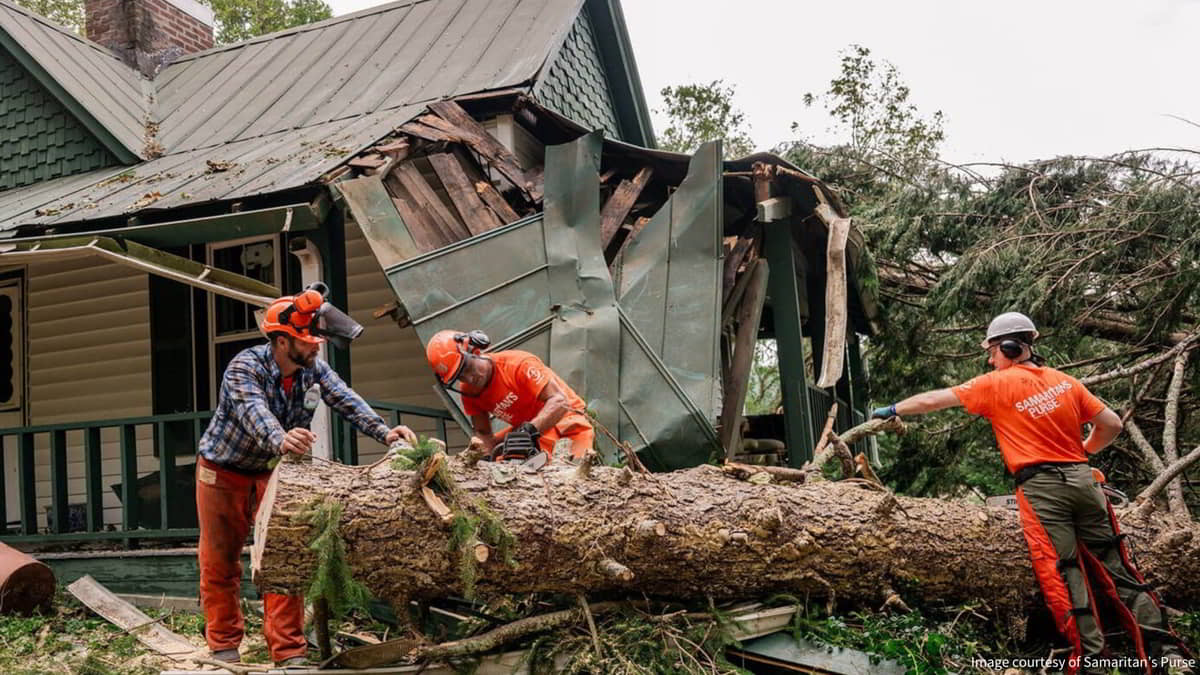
x: 121, y: 482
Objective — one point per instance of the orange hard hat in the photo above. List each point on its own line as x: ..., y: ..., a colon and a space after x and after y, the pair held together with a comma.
x: 446, y: 355
x: 293, y: 315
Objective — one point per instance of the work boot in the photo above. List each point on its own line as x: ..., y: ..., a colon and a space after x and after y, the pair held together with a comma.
x: 227, y: 655
x: 1174, y: 663
x: 293, y: 662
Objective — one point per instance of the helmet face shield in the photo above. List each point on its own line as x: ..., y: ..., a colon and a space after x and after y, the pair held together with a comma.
x: 335, y: 326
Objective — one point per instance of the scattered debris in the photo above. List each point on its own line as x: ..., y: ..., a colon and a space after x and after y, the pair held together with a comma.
x: 147, y: 199
x: 152, y: 149
x: 219, y: 166
x: 123, y: 177
x: 54, y: 210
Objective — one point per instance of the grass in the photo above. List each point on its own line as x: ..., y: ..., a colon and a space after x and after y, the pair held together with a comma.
x: 70, y: 638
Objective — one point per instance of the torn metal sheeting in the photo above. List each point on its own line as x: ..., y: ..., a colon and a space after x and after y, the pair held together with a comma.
x: 541, y: 284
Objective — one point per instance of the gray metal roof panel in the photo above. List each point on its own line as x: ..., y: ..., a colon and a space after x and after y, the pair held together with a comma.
x: 390, y: 56
x: 280, y: 161
x: 110, y: 90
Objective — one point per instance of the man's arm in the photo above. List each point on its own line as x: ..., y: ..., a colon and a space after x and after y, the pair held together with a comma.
x: 554, y: 407
x: 1105, y: 427
x: 482, y: 424
x: 919, y: 404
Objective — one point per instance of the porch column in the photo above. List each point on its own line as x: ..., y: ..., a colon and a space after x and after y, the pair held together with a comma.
x: 310, y: 271
x: 782, y: 286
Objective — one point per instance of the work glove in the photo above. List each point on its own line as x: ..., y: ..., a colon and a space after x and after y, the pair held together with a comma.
x: 884, y: 413
x: 519, y: 443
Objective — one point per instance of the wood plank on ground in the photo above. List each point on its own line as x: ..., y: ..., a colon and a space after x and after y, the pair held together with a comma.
x: 617, y: 208
x: 474, y: 135
x: 477, y: 216
x: 124, y: 615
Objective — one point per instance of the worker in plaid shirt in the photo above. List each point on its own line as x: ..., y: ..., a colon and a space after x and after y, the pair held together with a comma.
x: 269, y: 394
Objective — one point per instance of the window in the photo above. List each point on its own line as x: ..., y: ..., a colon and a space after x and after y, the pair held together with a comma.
x: 12, y: 345
x: 232, y: 326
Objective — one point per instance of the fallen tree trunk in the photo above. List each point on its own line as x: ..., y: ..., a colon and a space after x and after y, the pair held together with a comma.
x: 697, y: 532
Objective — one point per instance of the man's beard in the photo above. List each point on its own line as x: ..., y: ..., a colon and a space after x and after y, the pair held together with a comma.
x: 300, y: 359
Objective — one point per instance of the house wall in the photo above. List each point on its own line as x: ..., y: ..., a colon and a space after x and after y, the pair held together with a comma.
x: 88, y: 346
x: 39, y: 138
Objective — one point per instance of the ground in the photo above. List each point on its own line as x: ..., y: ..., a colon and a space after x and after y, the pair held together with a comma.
x: 72, y: 639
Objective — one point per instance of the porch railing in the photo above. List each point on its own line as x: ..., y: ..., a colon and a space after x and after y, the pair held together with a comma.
x: 156, y: 493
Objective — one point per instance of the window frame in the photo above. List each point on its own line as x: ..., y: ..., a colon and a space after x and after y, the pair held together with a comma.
x: 213, y: 339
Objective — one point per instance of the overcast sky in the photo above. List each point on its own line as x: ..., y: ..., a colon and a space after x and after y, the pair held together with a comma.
x: 1016, y: 80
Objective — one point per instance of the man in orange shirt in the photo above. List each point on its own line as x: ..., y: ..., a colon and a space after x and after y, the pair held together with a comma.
x: 541, y: 411
x: 1037, y: 414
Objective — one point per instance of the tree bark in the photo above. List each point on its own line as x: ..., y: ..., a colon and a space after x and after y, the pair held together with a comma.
x: 724, y: 537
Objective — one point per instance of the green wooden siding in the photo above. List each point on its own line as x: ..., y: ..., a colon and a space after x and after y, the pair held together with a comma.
x: 577, y: 86
x: 39, y: 139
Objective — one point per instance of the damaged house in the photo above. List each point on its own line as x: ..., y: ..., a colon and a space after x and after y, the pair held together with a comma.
x: 438, y: 163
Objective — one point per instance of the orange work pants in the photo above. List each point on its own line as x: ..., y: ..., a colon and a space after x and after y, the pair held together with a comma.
x: 226, y: 502
x: 573, y: 426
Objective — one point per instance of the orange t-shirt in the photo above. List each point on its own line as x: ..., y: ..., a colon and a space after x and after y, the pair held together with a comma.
x: 512, y: 395
x: 1037, y: 413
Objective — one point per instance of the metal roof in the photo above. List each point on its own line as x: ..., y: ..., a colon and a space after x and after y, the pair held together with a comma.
x: 282, y: 108
x: 377, y: 59
x: 115, y: 96
x: 233, y: 171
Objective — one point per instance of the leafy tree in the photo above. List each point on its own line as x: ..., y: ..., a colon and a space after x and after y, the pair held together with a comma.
x: 239, y: 20
x: 236, y: 20
x: 1102, y: 252
x: 699, y: 113
x: 66, y: 13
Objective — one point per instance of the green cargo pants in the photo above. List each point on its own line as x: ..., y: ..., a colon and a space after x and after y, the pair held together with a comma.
x: 1061, y: 507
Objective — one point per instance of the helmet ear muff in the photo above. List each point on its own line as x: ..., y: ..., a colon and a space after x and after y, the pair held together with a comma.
x: 1011, y: 348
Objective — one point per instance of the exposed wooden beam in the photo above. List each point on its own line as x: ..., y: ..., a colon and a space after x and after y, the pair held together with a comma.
x: 428, y: 133
x: 617, y: 208
x: 410, y: 176
x: 425, y: 233
x: 484, y: 188
x: 474, y: 135
x: 475, y: 214
x: 749, y: 315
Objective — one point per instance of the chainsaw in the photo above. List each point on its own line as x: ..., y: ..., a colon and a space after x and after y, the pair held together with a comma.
x: 520, y: 446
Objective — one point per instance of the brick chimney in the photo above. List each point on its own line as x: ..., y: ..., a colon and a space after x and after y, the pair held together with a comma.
x: 149, y: 34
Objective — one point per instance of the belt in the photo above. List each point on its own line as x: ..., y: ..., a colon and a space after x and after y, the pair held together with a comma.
x: 234, y: 469
x: 1032, y: 470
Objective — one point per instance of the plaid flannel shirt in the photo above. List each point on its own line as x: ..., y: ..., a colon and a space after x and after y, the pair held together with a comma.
x: 254, y: 412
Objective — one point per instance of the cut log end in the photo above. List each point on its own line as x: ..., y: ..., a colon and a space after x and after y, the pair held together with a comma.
x: 482, y: 552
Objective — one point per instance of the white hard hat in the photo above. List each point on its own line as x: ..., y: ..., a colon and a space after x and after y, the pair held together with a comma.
x: 1007, y: 324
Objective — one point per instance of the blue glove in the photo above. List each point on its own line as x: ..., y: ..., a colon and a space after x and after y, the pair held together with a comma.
x: 886, y: 412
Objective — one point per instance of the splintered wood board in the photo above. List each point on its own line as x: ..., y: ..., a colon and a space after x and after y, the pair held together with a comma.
x: 124, y: 615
